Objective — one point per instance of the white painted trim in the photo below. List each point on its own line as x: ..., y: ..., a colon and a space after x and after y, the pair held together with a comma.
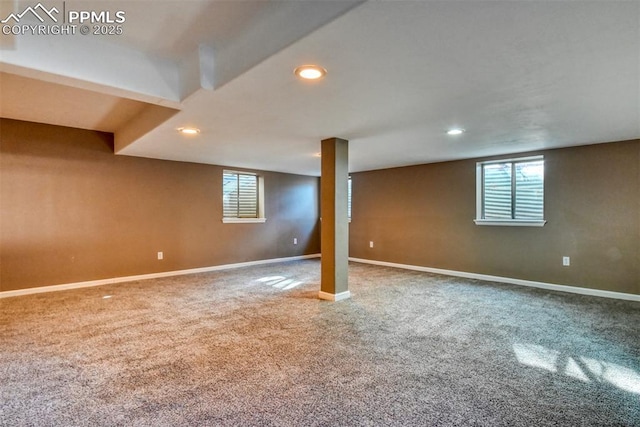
x: 521, y: 282
x: 67, y: 286
x: 480, y: 196
x: 243, y: 220
x: 514, y: 159
x: 334, y: 297
x: 511, y: 222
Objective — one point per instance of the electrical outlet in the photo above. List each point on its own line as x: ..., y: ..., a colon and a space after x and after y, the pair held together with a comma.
x: 566, y: 261
x: 160, y: 255
x: 295, y: 240
x: 371, y: 244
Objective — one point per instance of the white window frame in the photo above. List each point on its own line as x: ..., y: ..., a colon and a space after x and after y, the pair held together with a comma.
x: 260, y: 217
x: 349, y: 202
x: 349, y: 199
x: 480, y: 195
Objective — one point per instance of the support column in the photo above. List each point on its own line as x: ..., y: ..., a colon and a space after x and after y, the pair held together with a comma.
x: 334, y: 229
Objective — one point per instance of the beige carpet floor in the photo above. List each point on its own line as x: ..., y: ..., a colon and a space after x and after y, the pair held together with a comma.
x: 255, y: 347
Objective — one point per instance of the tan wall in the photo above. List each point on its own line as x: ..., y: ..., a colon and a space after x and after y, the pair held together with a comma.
x: 70, y: 211
x: 423, y: 215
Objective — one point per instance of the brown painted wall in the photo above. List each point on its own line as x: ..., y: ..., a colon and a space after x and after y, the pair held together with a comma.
x: 423, y: 215
x: 71, y: 211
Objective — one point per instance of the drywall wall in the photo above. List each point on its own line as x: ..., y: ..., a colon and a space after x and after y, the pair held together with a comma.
x: 423, y: 215
x: 72, y: 211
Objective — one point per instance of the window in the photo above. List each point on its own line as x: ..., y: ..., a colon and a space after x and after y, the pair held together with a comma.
x: 510, y: 192
x: 349, y: 198
x: 242, y: 197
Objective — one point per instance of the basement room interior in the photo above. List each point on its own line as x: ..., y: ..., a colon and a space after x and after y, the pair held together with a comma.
x: 319, y: 213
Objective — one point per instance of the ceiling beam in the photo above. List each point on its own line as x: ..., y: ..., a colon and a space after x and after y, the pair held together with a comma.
x: 89, y: 63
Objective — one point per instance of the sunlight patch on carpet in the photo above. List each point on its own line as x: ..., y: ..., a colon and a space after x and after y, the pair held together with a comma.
x: 620, y: 376
x: 574, y: 371
x: 582, y: 368
x: 280, y: 282
x: 536, y: 356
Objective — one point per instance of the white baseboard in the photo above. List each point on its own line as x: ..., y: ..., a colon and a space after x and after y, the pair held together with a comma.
x: 64, y: 287
x: 325, y: 295
x: 334, y: 297
x: 542, y: 285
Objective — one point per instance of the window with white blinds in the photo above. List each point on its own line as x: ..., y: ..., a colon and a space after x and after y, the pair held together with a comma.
x: 511, y: 192
x: 240, y: 195
x: 349, y: 198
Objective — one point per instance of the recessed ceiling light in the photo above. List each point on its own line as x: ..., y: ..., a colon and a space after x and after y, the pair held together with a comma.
x: 189, y: 131
x: 455, y: 131
x: 310, y: 72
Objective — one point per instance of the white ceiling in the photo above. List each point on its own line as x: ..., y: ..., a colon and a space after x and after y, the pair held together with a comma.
x: 518, y: 76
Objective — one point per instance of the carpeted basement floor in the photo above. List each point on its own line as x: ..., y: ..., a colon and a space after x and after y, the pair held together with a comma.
x: 255, y: 347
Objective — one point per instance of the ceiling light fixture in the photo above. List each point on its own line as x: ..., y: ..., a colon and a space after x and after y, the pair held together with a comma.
x: 189, y: 131
x: 456, y: 131
x: 310, y: 72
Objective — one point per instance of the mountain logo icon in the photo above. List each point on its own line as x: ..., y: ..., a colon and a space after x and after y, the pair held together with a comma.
x: 38, y: 11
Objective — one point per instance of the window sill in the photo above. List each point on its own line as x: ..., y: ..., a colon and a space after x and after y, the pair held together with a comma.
x: 511, y: 223
x: 243, y: 220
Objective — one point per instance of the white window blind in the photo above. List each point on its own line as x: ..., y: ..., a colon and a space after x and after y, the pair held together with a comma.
x: 240, y: 195
x: 496, y: 184
x: 349, y: 197
x: 512, y: 190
